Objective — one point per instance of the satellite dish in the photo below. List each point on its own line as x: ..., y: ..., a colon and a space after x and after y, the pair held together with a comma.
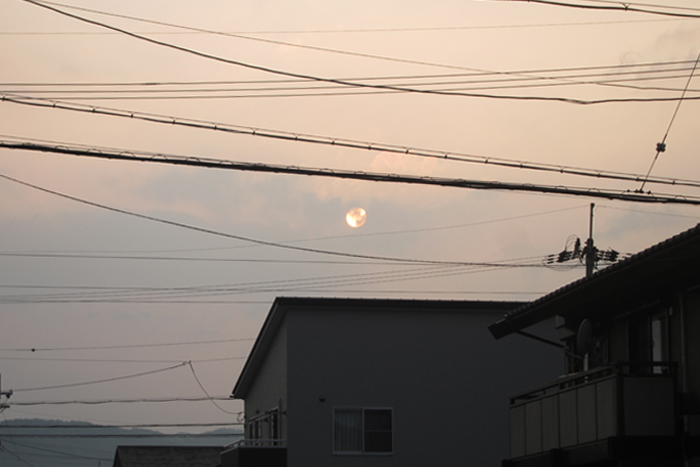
x: 584, y: 337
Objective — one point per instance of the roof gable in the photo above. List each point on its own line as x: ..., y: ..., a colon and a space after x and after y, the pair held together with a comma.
x: 281, y: 305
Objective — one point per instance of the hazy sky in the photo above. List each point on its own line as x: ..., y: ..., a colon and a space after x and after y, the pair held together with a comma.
x: 77, y: 275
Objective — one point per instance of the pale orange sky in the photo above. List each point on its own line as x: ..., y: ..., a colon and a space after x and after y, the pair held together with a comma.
x: 405, y: 221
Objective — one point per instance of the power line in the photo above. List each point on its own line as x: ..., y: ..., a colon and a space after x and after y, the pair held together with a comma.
x: 222, y: 234
x: 267, y: 302
x: 661, y: 147
x: 13, y: 454
x: 620, y: 6
x: 484, y: 76
x: 348, y: 31
x: 121, y: 401
x: 316, y: 48
x: 329, y: 237
x: 130, y: 435
x: 648, y: 212
x: 622, y: 195
x: 297, y: 284
x: 331, y: 80
x: 592, y: 75
x: 180, y: 258
x: 305, y: 138
x: 669, y: 7
x: 144, y: 301
x: 61, y: 453
x: 101, y: 427
x: 322, y: 91
x: 92, y: 255
x: 116, y: 360
x: 131, y: 346
x: 107, y: 380
x: 206, y: 393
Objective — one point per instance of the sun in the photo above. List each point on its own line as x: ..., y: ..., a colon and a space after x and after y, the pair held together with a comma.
x: 356, y: 217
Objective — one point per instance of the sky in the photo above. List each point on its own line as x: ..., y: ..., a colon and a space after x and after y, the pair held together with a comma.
x: 112, y: 268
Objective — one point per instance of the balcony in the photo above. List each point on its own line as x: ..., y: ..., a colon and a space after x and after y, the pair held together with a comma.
x: 255, y: 453
x: 611, y: 412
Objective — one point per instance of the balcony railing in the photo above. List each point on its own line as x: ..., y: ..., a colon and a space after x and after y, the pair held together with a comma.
x: 254, y: 453
x: 257, y: 443
x: 622, y: 399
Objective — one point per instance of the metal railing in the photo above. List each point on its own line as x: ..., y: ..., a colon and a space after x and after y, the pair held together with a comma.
x: 257, y: 443
x: 621, y: 399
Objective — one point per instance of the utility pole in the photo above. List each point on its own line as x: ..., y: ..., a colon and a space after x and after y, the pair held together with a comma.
x: 591, y: 252
x: 6, y: 394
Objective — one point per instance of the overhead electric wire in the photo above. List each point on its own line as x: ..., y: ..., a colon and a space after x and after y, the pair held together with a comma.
x: 312, y: 283
x: 113, y: 360
x: 276, y: 285
x: 697, y: 217
x: 61, y: 453
x: 118, y: 401
x: 100, y: 381
x: 316, y: 48
x: 257, y: 39
x: 102, y: 427
x: 227, y: 235
x: 15, y: 455
x: 187, y: 259
x: 127, y: 435
x: 299, y: 137
x: 354, y: 84
x: 127, y: 346
x: 661, y: 147
x: 486, y: 76
x: 93, y: 255
x: 623, y: 195
x: 620, y: 6
x: 611, y: 80
x: 211, y: 399
x: 670, y: 7
x: 351, y: 31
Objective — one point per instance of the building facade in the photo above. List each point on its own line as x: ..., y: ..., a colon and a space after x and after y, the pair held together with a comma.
x: 630, y: 393
x: 349, y: 382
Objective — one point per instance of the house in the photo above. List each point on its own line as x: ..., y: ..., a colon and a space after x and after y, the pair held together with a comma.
x: 167, y: 456
x: 630, y: 395
x: 346, y: 382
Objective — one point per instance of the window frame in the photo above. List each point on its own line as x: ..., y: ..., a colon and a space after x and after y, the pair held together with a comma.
x: 363, y: 432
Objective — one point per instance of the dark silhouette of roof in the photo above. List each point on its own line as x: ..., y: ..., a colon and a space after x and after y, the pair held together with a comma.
x: 168, y: 456
x: 671, y: 264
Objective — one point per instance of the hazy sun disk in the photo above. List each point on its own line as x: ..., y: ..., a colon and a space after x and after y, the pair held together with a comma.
x: 356, y: 217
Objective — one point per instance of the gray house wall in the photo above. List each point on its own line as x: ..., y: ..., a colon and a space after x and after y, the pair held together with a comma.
x: 269, y: 389
x: 692, y: 364
x: 440, y: 371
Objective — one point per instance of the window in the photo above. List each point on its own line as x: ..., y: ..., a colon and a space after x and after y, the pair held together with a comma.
x: 362, y: 431
x: 649, y: 341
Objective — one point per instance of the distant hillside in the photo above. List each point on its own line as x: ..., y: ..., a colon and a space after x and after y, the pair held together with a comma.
x: 45, y: 444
